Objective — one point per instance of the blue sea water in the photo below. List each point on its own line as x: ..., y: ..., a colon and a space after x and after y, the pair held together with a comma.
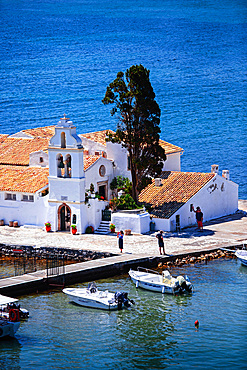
x: 58, y: 56
x: 157, y: 333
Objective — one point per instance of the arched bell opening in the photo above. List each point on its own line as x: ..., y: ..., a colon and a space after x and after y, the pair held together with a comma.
x: 64, y: 217
x: 67, y: 168
x: 60, y: 165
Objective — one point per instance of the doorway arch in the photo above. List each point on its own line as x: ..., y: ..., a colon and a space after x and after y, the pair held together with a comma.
x: 64, y: 217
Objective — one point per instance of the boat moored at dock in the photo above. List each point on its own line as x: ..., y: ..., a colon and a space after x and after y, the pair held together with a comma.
x: 162, y: 283
x: 93, y: 298
x: 7, y: 304
x: 241, y: 254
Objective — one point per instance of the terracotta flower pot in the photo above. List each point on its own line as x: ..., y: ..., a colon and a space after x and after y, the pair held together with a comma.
x: 48, y: 228
x: 112, y: 230
x: 74, y: 231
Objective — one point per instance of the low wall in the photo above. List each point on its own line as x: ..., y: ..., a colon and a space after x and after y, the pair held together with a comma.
x: 138, y: 223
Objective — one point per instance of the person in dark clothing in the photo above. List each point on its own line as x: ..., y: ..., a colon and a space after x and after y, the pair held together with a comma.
x: 159, y: 236
x: 120, y: 240
x: 199, y: 218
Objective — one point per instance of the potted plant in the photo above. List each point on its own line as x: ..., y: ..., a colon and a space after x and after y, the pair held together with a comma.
x: 89, y: 230
x: 112, y: 228
x: 48, y: 226
x: 73, y: 229
x: 91, y: 189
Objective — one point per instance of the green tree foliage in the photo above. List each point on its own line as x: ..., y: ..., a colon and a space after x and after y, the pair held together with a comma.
x: 138, y: 129
x: 121, y: 182
x: 124, y: 202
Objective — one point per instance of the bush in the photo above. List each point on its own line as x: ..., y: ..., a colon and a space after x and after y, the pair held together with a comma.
x: 124, y: 202
x: 89, y: 230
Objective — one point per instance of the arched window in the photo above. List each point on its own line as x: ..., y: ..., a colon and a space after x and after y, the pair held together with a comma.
x: 63, y: 140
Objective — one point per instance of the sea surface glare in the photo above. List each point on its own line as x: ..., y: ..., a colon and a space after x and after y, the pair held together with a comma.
x: 59, y: 56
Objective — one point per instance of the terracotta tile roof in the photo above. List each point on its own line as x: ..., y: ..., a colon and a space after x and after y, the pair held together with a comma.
x: 98, y: 136
x: 45, y: 132
x: 16, y: 150
x: 176, y: 189
x: 23, y: 179
x: 3, y: 137
x: 170, y: 148
x: 89, y: 160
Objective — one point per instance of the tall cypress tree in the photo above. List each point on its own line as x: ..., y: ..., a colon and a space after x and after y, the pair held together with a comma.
x: 138, y: 129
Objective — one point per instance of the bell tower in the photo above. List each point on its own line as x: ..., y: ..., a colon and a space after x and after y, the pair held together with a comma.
x: 66, y: 177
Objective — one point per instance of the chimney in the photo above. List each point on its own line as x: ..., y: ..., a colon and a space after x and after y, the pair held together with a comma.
x: 225, y: 174
x: 157, y: 181
x: 215, y: 168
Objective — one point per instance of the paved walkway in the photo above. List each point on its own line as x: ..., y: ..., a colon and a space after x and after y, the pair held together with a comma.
x: 224, y: 232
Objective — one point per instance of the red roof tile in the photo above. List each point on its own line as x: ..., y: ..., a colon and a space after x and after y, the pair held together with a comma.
x: 23, y: 179
x: 43, y: 132
x: 89, y: 160
x: 98, y: 136
x: 15, y: 151
x: 175, y: 190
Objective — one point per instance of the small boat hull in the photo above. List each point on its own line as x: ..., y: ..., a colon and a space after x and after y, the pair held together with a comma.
x: 165, y: 284
x: 241, y: 254
x: 93, y: 298
x: 8, y: 328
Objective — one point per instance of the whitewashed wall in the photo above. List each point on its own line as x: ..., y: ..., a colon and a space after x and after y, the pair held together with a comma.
x: 67, y: 189
x: 34, y: 159
x: 26, y: 213
x: 94, y: 212
x: 173, y: 162
x: 161, y: 224
x: 92, y: 146
x: 138, y: 223
x: 119, y: 155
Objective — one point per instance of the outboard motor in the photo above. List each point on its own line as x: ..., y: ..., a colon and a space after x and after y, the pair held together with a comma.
x: 92, y: 287
x: 185, y: 284
x: 122, y: 299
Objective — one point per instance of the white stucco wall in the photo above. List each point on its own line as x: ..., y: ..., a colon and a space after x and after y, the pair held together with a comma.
x: 173, y: 162
x: 161, y: 224
x: 119, y: 155
x: 35, y: 159
x: 26, y: 213
x: 92, y: 146
x: 72, y: 139
x: 138, y: 223
x: 67, y: 189
x: 94, y: 212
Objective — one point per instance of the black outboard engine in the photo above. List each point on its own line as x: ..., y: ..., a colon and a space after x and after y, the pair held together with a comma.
x: 92, y: 287
x: 122, y: 299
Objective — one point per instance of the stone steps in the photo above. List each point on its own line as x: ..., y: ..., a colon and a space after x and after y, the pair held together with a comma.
x: 103, y: 228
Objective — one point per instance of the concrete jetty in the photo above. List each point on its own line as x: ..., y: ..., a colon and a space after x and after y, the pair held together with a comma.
x: 226, y: 232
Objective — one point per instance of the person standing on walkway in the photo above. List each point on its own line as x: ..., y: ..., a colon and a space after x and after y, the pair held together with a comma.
x: 160, y: 238
x: 120, y: 240
x: 199, y: 217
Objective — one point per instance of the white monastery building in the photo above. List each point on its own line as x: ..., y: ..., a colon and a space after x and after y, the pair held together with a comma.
x: 45, y: 174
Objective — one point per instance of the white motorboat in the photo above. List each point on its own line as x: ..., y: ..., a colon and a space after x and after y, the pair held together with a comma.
x: 92, y: 297
x: 8, y: 303
x: 241, y: 254
x: 162, y: 283
x: 9, y: 316
x: 8, y: 328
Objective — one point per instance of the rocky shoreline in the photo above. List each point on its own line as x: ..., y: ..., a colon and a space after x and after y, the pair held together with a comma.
x: 202, y: 258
